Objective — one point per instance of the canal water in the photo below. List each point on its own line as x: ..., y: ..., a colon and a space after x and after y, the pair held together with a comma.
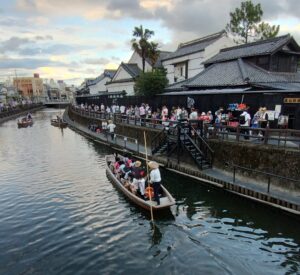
x: 60, y: 215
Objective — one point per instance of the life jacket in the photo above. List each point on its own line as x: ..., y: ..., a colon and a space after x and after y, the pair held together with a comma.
x: 149, y: 193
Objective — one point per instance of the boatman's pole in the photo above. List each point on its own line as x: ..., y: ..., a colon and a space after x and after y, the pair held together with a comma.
x: 151, y: 210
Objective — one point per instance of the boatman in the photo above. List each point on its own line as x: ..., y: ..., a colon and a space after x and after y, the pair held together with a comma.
x: 155, y: 179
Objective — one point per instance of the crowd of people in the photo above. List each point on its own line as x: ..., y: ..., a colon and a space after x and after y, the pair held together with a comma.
x: 13, y: 105
x: 220, y: 118
x: 134, y: 177
x: 144, y: 111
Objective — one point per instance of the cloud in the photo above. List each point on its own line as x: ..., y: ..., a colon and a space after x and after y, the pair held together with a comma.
x: 56, y: 49
x: 13, y: 44
x: 27, y: 63
x: 46, y: 37
x: 96, y: 61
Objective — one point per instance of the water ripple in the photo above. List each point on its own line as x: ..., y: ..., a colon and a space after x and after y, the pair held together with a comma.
x: 60, y: 215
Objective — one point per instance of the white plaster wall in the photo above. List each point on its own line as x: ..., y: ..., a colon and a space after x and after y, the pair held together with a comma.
x: 99, y: 87
x: 214, y: 48
x: 195, y: 60
x: 118, y: 87
x: 194, y: 65
x: 121, y: 74
x: 136, y: 59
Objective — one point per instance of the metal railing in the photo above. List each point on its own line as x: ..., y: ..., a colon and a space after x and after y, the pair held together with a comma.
x: 186, y: 137
x: 267, y: 174
x: 120, y: 140
x: 207, y: 151
x: 281, y: 138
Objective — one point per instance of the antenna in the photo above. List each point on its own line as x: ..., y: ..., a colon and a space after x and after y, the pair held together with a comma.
x: 17, y: 81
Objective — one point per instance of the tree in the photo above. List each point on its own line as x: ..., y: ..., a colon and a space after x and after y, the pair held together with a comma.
x: 151, y: 83
x: 141, y: 45
x: 153, y: 53
x: 245, y: 21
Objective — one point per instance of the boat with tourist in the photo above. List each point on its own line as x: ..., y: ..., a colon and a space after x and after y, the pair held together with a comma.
x: 25, y: 122
x: 58, y: 122
x: 166, y: 199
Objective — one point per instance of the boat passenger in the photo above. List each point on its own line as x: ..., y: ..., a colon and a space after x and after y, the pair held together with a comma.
x: 138, y: 180
x: 155, y: 179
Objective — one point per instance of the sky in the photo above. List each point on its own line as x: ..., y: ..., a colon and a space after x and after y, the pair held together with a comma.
x: 72, y: 40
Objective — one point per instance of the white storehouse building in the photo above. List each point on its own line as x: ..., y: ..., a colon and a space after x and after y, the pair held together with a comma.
x: 187, y: 60
x: 127, y: 73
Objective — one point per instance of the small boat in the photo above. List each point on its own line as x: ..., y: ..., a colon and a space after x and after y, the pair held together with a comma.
x: 166, y: 200
x: 25, y: 122
x: 58, y: 122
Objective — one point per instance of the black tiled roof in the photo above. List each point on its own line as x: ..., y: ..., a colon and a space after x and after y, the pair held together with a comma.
x: 162, y: 55
x: 238, y: 73
x: 177, y: 86
x: 220, y: 74
x: 261, y: 47
x: 132, y: 69
x: 194, y: 46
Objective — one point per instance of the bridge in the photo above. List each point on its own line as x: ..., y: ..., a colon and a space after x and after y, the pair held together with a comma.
x: 57, y: 103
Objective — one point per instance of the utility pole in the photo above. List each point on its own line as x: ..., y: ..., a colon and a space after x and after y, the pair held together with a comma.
x: 17, y: 81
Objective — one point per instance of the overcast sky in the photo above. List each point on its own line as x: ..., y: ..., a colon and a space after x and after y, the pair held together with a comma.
x: 77, y: 39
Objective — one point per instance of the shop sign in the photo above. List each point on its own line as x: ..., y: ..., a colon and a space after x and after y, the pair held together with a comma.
x: 291, y: 100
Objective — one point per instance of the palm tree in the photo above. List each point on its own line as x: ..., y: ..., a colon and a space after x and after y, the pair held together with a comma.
x: 141, y: 45
x: 153, y: 53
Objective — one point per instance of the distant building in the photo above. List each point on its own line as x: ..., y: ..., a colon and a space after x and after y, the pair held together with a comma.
x: 127, y: 73
x: 187, y: 60
x: 98, y: 85
x: 29, y: 87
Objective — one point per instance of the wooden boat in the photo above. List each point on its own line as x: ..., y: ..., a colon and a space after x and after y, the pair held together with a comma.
x: 166, y: 200
x: 58, y: 122
x: 25, y: 122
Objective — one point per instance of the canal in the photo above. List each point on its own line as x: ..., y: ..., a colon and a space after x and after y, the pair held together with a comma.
x: 60, y: 215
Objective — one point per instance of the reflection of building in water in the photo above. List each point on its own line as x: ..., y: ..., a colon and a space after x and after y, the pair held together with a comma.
x: 29, y: 87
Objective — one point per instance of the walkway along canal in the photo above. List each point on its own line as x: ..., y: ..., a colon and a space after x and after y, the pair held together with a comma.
x: 61, y: 215
x: 258, y: 190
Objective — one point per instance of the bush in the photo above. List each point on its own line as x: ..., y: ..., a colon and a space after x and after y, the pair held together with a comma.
x: 151, y: 83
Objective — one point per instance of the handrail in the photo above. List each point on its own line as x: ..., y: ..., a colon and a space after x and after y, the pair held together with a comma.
x: 268, y: 174
x: 157, y: 140
x: 204, y: 147
x: 284, y: 135
x: 203, y: 140
x: 191, y: 140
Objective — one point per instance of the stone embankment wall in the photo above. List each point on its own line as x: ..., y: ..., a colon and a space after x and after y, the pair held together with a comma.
x: 5, y: 116
x: 269, y: 159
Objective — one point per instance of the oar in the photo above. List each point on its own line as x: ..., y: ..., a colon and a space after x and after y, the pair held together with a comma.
x: 151, y: 210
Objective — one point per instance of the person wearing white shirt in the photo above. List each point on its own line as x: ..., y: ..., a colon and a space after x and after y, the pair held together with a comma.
x: 155, y: 179
x: 111, y: 128
x: 247, y: 120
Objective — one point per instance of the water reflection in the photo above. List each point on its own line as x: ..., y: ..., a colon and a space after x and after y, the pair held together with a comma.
x: 61, y: 215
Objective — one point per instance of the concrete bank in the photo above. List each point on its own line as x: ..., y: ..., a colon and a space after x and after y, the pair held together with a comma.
x: 252, y: 189
x: 17, y: 113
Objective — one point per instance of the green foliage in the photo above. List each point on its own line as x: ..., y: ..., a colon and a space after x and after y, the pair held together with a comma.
x: 245, y: 21
x: 151, y: 83
x: 267, y: 31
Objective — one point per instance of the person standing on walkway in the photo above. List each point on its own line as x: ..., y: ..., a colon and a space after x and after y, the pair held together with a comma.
x: 245, y: 119
x: 111, y: 129
x: 155, y: 179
